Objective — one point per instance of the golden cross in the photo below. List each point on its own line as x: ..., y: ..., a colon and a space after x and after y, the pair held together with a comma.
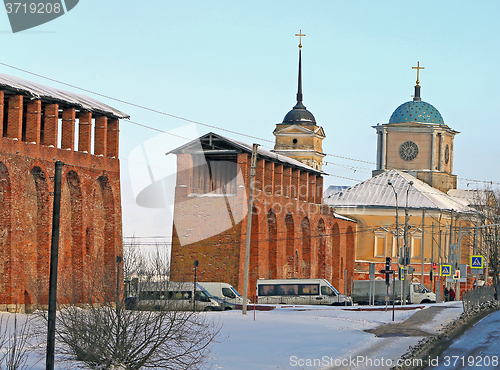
x: 418, y: 68
x: 300, y: 34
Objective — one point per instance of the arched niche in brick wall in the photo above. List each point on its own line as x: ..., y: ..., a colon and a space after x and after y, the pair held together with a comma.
x: 305, y: 227
x: 322, y: 255
x: 256, y: 240
x: 106, y: 258
x: 5, y: 235
x: 336, y: 255
x: 290, y: 246
x: 43, y: 226
x: 272, y: 260
x: 350, y: 256
x: 77, y: 235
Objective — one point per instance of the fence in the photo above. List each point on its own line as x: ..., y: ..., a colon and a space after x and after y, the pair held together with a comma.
x: 477, y: 296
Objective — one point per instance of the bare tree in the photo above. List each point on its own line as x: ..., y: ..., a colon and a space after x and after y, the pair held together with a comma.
x: 103, y: 334
x: 15, y: 343
x: 487, y: 240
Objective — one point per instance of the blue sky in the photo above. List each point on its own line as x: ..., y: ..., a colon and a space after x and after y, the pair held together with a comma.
x: 233, y: 65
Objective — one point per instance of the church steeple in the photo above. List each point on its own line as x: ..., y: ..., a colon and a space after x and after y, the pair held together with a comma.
x: 299, y: 104
x: 298, y: 136
x: 299, y: 114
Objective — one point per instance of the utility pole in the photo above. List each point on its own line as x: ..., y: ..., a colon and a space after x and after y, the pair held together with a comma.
x: 440, y: 244
x: 54, y: 252
x: 194, y: 285
x: 459, y: 241
x: 422, y: 248
x: 249, y: 228
x: 476, y: 243
x: 432, y: 258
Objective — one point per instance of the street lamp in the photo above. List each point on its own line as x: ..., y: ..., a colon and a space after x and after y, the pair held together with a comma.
x: 397, y: 218
x: 406, y: 252
x: 403, y: 255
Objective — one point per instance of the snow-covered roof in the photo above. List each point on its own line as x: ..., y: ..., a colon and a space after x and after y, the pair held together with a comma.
x: 473, y: 197
x: 38, y: 91
x: 376, y: 192
x: 243, y: 147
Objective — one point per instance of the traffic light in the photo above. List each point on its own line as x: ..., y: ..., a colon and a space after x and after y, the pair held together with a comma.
x: 387, y: 268
x: 401, y: 273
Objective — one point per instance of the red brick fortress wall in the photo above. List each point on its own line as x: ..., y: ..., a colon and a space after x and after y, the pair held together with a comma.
x: 90, y: 227
x: 293, y: 233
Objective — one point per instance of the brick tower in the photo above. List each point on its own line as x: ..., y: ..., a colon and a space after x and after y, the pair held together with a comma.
x: 40, y: 125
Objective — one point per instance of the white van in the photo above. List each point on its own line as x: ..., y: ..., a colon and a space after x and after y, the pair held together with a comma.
x: 224, y: 291
x: 300, y: 291
x: 176, y: 296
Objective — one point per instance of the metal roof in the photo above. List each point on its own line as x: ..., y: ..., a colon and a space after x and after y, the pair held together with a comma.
x: 221, y: 143
x: 474, y: 197
x: 376, y: 192
x: 38, y: 91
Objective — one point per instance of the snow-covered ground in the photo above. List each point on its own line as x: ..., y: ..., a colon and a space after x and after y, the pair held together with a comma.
x: 305, y: 337
x: 314, y: 337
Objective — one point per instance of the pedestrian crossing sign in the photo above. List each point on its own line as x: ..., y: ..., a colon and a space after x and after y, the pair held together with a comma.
x: 445, y: 270
x: 476, y: 262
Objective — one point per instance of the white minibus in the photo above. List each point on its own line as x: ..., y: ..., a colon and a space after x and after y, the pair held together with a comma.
x: 176, y: 296
x: 300, y: 291
x: 224, y: 291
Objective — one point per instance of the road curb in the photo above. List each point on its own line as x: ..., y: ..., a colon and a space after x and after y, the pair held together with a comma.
x: 432, y: 347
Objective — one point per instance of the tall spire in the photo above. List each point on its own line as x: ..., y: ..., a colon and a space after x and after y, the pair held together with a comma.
x: 299, y: 114
x: 416, y: 97
x: 299, y: 104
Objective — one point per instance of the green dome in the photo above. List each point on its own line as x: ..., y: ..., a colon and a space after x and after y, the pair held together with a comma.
x: 417, y: 111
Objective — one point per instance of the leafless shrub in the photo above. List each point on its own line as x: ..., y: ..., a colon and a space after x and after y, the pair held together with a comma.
x: 15, y: 343
x: 100, y: 332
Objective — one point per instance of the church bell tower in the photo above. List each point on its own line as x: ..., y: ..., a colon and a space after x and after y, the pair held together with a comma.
x: 298, y: 136
x: 416, y: 140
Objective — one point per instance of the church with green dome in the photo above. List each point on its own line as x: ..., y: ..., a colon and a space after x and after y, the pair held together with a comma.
x: 417, y: 141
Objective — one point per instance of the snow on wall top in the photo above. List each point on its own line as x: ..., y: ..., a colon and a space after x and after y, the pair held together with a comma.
x: 38, y: 91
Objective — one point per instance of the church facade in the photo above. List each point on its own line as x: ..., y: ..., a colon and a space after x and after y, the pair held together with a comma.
x: 40, y: 125
x: 293, y: 234
x: 407, y: 210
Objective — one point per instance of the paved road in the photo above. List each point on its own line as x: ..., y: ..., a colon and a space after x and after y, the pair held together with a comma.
x: 411, y: 327
x: 394, y: 339
x: 477, y: 348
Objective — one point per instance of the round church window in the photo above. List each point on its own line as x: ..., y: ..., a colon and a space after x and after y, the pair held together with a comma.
x: 408, y: 151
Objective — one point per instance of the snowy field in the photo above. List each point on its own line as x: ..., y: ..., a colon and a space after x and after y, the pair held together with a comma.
x: 302, y: 337
x: 323, y: 337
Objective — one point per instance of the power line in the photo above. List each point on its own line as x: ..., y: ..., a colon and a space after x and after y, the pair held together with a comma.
x: 196, y: 122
